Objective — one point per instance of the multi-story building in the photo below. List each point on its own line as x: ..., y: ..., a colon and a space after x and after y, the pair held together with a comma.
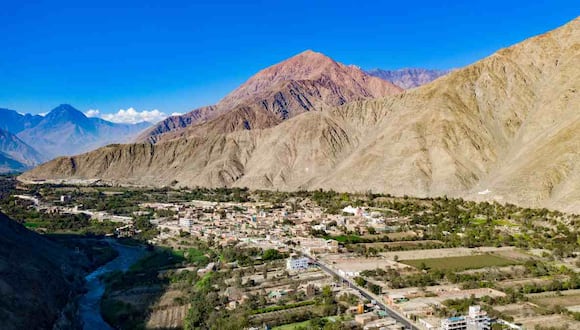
x: 454, y: 323
x: 297, y: 263
x: 476, y: 319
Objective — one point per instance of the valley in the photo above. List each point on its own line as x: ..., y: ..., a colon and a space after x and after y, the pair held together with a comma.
x: 223, y: 258
x: 418, y: 170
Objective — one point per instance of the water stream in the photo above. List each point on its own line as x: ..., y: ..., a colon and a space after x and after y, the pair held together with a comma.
x: 90, y: 302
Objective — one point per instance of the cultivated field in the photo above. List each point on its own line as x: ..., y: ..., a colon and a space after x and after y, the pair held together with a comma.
x: 550, y: 299
x: 444, y: 253
x: 460, y: 263
x: 405, y: 244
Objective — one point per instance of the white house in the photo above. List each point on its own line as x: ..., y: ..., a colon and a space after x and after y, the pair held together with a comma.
x: 297, y: 263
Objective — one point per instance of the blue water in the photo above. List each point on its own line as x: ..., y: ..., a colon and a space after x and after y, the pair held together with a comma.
x: 90, y: 302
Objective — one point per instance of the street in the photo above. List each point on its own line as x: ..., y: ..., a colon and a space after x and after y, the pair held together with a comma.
x: 392, y: 313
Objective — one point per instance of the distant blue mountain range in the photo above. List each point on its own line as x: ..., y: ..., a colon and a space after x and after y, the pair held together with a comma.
x: 27, y: 140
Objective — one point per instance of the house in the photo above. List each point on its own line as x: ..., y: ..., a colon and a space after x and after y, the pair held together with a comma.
x: 394, y: 298
x: 365, y: 318
x: 297, y: 263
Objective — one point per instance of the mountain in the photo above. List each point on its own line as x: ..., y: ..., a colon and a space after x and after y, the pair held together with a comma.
x: 15, y: 155
x: 309, y: 81
x: 408, y: 78
x: 10, y: 165
x: 504, y: 128
x: 15, y: 122
x: 67, y: 131
x: 37, y: 278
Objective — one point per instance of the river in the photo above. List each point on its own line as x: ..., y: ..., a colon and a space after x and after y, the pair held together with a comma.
x: 90, y: 302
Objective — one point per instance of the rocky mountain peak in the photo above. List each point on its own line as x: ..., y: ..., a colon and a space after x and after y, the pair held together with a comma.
x: 309, y: 81
x: 66, y: 112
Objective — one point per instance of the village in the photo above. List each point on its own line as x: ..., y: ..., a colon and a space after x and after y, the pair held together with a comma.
x: 395, y: 275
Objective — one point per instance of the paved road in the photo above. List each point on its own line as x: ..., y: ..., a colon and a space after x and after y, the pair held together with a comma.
x: 392, y: 313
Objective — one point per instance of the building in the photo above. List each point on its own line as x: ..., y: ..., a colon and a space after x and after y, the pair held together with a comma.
x: 429, y: 324
x: 297, y: 263
x: 454, y: 323
x: 186, y: 222
x: 365, y: 318
x: 382, y: 323
x: 394, y: 298
x: 476, y: 319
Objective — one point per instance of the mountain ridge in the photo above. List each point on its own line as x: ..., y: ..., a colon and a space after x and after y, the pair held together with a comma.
x: 486, y: 132
x: 308, y: 81
x: 408, y: 78
x: 14, y: 122
x: 17, y: 154
x: 67, y: 131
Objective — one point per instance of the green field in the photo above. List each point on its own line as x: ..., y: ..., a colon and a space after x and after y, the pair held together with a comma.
x: 303, y: 324
x: 461, y: 263
x: 292, y: 326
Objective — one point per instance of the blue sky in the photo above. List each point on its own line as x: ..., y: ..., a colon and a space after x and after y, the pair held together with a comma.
x: 177, y: 55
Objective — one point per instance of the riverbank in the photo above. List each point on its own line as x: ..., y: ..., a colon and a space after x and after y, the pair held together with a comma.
x: 90, y: 302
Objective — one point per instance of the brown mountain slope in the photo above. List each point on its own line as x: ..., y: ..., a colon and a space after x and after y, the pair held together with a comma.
x: 37, y: 278
x: 506, y: 126
x: 306, y: 82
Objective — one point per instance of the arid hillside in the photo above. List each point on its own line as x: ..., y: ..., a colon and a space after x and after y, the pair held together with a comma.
x: 309, y: 81
x: 504, y: 128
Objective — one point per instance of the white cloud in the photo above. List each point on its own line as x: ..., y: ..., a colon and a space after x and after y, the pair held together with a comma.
x: 93, y: 113
x: 129, y: 116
